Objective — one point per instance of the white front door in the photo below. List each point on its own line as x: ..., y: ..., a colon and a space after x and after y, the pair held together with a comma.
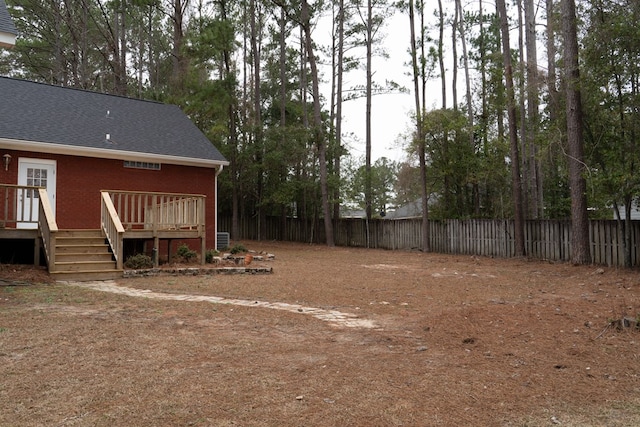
x: 38, y: 173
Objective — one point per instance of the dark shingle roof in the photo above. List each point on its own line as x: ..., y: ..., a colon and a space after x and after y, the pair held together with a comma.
x: 410, y: 210
x: 70, y: 117
x: 6, y: 23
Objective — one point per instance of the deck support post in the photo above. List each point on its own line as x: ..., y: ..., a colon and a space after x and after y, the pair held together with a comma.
x: 36, y: 250
x: 156, y: 247
x: 203, y: 250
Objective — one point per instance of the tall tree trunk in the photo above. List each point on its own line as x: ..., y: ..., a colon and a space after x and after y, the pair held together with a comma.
x: 500, y: 94
x: 337, y: 57
x: 233, y: 131
x: 467, y: 79
x: 443, y: 83
x: 484, y: 115
x: 152, y: 52
x: 257, y: 117
x: 121, y: 86
x: 283, y: 112
x: 179, y: 66
x: 84, y: 43
x: 516, y: 184
x: 524, y: 132
x: 59, y: 74
x: 467, y: 76
x: 443, y: 80
x: 419, y: 132
x: 535, y: 177
x: 579, y: 219
x: 423, y: 64
x: 454, y: 55
x: 140, y: 59
x: 283, y: 71
x: 78, y: 34
x: 367, y: 179
x: 317, y: 125
x: 338, y: 117
x: 554, y: 99
x: 308, y: 200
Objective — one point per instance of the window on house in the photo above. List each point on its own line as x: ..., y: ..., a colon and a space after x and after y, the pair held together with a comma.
x: 142, y: 165
x: 37, y: 178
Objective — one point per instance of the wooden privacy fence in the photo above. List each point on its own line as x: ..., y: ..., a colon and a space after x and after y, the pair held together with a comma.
x: 544, y: 239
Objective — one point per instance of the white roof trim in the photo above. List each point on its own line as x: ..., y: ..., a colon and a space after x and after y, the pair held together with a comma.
x: 69, y: 150
x: 7, y: 39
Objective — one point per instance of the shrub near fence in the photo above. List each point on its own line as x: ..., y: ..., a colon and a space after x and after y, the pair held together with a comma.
x: 544, y: 239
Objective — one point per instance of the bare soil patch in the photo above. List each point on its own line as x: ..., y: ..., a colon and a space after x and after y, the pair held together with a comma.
x: 457, y: 341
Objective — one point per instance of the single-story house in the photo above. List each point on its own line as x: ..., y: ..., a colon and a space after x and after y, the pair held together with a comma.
x: 79, y: 166
x: 352, y: 213
x: 635, y: 211
x: 7, y: 29
x: 409, y: 210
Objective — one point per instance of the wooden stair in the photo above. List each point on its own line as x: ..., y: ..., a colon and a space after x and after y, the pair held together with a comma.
x: 83, y: 255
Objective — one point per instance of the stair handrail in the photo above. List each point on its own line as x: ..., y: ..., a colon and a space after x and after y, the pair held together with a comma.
x: 112, y: 228
x: 47, y: 228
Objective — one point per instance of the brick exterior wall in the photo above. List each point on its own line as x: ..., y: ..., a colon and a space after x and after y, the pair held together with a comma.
x: 79, y: 181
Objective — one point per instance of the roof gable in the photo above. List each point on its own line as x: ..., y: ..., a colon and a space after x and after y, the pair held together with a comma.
x: 7, y: 29
x: 79, y: 119
x: 409, y: 210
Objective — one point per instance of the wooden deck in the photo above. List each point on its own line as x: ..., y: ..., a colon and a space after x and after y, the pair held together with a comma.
x: 124, y: 215
x: 18, y: 220
x: 140, y: 215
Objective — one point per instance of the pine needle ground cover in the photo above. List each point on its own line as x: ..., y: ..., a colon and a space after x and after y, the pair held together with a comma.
x: 341, y: 336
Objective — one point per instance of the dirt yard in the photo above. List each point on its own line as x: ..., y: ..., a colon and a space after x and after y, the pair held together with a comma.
x: 334, y: 337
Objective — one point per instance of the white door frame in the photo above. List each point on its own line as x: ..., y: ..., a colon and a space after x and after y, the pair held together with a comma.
x: 51, y: 167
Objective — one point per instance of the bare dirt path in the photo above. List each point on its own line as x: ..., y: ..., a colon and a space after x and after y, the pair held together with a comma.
x: 332, y: 316
x: 455, y: 341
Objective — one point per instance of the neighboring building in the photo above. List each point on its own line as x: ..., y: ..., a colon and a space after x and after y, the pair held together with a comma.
x: 150, y: 157
x: 7, y: 29
x: 635, y: 212
x: 352, y: 213
x: 409, y: 210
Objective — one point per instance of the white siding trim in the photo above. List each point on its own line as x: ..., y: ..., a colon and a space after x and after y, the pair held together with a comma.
x: 7, y: 40
x: 44, y: 147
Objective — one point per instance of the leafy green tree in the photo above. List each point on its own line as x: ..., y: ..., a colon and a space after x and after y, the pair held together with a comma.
x: 490, y: 142
x: 612, y: 104
x: 92, y: 45
x: 450, y: 162
x: 383, y: 177
x: 407, y: 186
x: 56, y: 42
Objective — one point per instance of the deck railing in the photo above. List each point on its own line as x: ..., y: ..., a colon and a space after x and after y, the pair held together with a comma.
x: 124, y: 214
x: 17, y: 205
x: 47, y: 228
x: 159, y: 211
x: 26, y: 209
x: 159, y: 216
x: 112, y: 227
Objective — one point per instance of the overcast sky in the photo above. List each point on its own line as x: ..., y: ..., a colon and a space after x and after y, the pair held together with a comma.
x: 390, y: 113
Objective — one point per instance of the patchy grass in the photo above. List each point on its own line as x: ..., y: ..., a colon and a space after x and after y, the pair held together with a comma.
x: 459, y: 341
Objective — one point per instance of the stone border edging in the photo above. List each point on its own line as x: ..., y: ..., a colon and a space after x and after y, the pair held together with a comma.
x: 195, y: 271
